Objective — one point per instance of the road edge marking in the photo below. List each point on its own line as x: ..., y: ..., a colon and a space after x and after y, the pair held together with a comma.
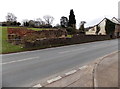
x: 54, y: 79
x: 19, y: 60
x: 83, y: 67
x: 38, y: 85
x: 70, y: 72
x: 74, y: 71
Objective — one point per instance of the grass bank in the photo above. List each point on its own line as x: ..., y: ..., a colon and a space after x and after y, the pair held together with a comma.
x: 6, y: 47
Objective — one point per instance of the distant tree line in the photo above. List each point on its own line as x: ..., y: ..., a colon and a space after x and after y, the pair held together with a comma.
x: 39, y: 22
x: 11, y: 20
x: 68, y: 23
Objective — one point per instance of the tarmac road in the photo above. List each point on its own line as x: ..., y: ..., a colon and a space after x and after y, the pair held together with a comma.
x: 25, y: 69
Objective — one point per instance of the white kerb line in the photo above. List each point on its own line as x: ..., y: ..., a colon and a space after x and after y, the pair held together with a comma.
x: 38, y: 85
x: 83, y: 67
x: 54, y: 79
x: 71, y: 72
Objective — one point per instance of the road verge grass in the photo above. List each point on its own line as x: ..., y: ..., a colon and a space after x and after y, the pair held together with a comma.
x: 5, y: 46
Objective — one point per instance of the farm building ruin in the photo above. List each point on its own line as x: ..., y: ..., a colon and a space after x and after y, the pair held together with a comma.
x: 19, y: 35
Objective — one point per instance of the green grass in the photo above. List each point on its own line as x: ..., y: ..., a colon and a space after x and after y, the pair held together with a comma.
x: 38, y: 29
x: 6, y: 47
x: 69, y: 36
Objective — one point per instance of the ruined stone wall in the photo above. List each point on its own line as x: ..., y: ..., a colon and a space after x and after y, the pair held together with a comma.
x: 24, y: 34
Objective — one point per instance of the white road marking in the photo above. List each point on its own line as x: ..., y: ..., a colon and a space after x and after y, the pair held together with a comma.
x: 83, y: 67
x: 71, y: 72
x: 71, y: 50
x: 38, y: 85
x: 54, y: 79
x: 19, y: 60
x: 103, y: 45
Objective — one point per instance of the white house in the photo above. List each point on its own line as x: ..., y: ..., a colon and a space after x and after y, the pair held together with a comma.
x: 100, y: 29
x: 93, y: 30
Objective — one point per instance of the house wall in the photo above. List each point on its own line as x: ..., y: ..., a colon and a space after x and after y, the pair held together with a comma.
x: 117, y: 30
x: 102, y: 27
x: 91, y: 31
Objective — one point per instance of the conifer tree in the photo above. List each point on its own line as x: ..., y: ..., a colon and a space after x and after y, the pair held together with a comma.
x: 72, y: 21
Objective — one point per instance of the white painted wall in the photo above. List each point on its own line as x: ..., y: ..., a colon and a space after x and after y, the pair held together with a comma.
x: 102, y: 27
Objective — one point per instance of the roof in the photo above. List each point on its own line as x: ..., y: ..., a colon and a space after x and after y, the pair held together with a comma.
x: 115, y: 20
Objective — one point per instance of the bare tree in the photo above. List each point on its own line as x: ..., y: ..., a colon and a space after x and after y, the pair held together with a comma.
x: 38, y: 21
x: 48, y: 19
x: 11, y: 17
x: 31, y: 23
x: 42, y: 22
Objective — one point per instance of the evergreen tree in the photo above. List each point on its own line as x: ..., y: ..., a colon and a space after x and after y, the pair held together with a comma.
x: 72, y: 21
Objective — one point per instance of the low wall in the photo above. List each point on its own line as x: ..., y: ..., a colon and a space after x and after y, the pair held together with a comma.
x: 65, y: 41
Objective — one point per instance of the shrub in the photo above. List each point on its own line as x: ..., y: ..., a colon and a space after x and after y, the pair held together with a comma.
x: 71, y: 30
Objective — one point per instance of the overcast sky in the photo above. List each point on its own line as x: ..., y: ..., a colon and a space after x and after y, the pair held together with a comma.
x: 91, y: 11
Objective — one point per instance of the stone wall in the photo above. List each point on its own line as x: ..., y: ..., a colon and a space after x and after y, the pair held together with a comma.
x: 66, y: 41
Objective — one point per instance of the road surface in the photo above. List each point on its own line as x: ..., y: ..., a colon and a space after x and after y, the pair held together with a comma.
x: 26, y: 69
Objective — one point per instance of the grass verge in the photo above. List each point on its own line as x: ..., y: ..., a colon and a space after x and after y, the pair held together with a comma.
x: 5, y: 46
